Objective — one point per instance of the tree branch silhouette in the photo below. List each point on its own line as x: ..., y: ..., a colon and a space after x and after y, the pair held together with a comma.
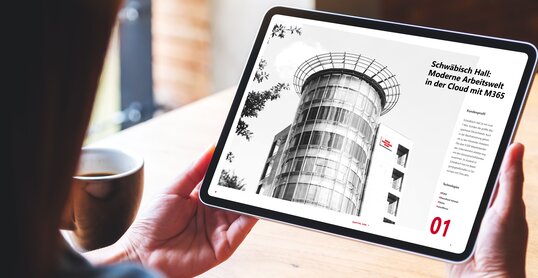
x: 254, y: 104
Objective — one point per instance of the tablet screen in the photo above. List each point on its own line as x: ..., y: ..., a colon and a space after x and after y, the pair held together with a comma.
x: 381, y: 132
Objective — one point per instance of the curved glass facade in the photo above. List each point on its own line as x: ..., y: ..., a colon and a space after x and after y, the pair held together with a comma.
x: 330, y: 141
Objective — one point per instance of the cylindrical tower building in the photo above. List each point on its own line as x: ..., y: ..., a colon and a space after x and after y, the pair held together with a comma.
x: 328, y: 147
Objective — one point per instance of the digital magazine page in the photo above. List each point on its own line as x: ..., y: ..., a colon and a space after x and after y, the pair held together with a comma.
x: 385, y: 133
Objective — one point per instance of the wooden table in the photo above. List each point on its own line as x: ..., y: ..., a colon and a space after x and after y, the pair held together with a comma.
x: 169, y: 142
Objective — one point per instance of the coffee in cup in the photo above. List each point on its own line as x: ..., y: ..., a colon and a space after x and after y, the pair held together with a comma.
x: 105, y: 196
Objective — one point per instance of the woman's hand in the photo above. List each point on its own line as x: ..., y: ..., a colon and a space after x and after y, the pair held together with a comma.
x: 178, y: 235
x: 501, y: 245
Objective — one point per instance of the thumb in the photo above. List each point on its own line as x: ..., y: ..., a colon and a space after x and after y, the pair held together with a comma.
x: 187, y: 181
x: 510, y: 187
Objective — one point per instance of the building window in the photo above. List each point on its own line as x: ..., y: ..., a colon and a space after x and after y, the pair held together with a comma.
x: 300, y: 192
x: 335, y: 141
x: 267, y: 169
x: 330, y: 92
x: 272, y: 151
x: 336, y: 201
x: 358, y: 153
x: 331, y: 141
x: 342, y: 172
x: 336, y: 115
x: 312, y: 113
x: 316, y: 138
x: 319, y: 167
x: 309, y: 164
x: 392, y: 204
x: 319, y: 93
x: 350, y: 207
x: 279, y: 191
x: 335, y: 79
x: 286, y: 167
x: 297, y: 164
x: 295, y: 141
x: 397, y: 178
x: 353, y: 179
x: 288, y: 194
x: 323, y: 197
x: 402, y: 155
x: 323, y: 81
x: 305, y: 138
x: 312, y: 194
x: 274, y: 148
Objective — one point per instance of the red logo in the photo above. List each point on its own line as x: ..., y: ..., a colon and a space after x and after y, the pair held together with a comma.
x: 385, y: 143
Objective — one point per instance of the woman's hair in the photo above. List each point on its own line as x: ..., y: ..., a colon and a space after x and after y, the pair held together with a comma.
x: 60, y: 59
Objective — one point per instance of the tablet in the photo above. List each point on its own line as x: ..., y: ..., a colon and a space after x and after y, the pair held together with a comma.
x: 382, y: 132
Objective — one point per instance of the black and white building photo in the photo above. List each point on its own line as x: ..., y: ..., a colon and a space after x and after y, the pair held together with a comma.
x: 323, y: 157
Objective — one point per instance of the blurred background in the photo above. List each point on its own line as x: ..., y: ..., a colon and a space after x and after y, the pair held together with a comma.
x: 165, y: 54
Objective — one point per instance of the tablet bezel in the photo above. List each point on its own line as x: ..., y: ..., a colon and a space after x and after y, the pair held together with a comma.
x: 445, y: 35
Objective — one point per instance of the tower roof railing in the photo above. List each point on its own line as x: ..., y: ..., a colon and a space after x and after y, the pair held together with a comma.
x: 355, y: 62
